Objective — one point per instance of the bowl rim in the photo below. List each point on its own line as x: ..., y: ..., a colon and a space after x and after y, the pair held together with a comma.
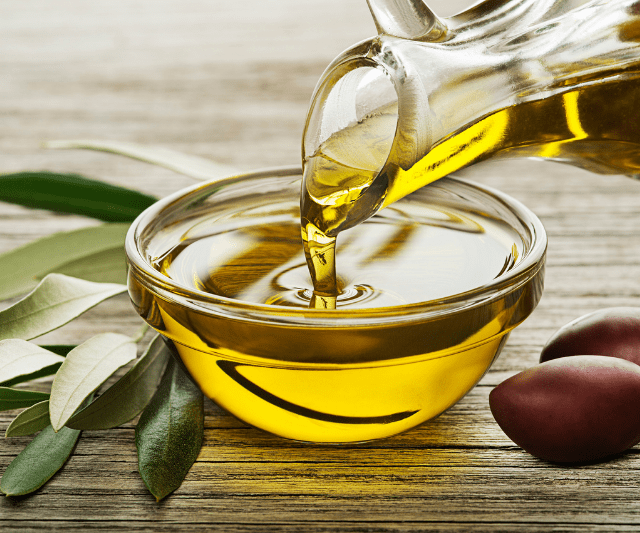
x: 206, y: 303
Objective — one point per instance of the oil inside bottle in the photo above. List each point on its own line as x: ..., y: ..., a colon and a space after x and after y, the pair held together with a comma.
x: 594, y: 126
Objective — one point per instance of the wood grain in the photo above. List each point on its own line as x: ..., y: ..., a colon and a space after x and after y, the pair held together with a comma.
x: 232, y: 81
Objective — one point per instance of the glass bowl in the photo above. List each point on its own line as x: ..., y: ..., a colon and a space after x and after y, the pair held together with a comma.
x: 342, y: 375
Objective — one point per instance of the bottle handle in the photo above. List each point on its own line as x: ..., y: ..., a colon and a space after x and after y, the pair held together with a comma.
x: 407, y: 19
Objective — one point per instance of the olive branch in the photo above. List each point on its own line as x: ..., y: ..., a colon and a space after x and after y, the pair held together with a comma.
x: 64, y: 275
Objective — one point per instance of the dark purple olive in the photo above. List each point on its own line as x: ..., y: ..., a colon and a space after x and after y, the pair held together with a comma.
x: 571, y: 410
x: 614, y: 332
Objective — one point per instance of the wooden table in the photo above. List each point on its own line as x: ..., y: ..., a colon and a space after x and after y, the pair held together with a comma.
x: 231, y: 81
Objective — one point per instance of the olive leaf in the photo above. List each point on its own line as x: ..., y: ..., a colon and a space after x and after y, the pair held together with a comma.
x: 107, y: 266
x: 18, y: 398
x: 126, y: 398
x: 39, y: 461
x: 95, y: 253
x: 71, y: 193
x: 190, y: 165
x: 57, y: 300
x: 170, y: 432
x: 84, y: 369
x: 30, y: 420
x: 21, y: 361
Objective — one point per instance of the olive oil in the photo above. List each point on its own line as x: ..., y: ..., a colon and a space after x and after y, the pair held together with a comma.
x: 595, y: 126
x: 413, y: 331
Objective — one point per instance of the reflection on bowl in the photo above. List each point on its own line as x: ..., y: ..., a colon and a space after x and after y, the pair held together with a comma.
x: 380, y: 363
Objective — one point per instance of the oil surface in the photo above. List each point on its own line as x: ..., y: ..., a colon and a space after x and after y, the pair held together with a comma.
x: 407, y: 254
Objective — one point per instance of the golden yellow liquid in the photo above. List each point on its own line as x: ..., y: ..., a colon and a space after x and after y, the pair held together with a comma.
x: 596, y: 127
x: 339, y: 381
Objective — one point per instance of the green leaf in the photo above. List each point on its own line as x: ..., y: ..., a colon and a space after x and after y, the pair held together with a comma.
x: 39, y: 461
x: 79, y: 253
x: 21, y: 361
x: 126, y: 398
x: 60, y: 349
x: 30, y: 420
x: 17, y: 398
x: 86, y: 368
x: 170, y: 432
x: 193, y: 166
x: 108, y: 266
x: 71, y: 193
x: 57, y: 300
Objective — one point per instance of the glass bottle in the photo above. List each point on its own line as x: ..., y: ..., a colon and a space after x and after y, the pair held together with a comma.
x: 553, y: 79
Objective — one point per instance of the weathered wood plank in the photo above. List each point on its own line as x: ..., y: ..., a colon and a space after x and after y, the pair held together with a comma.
x: 293, y: 526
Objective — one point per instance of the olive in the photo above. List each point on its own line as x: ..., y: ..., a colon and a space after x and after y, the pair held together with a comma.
x: 614, y: 332
x: 571, y: 410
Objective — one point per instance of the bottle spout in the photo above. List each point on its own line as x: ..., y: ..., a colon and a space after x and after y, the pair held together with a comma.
x: 347, y: 141
x: 407, y: 19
